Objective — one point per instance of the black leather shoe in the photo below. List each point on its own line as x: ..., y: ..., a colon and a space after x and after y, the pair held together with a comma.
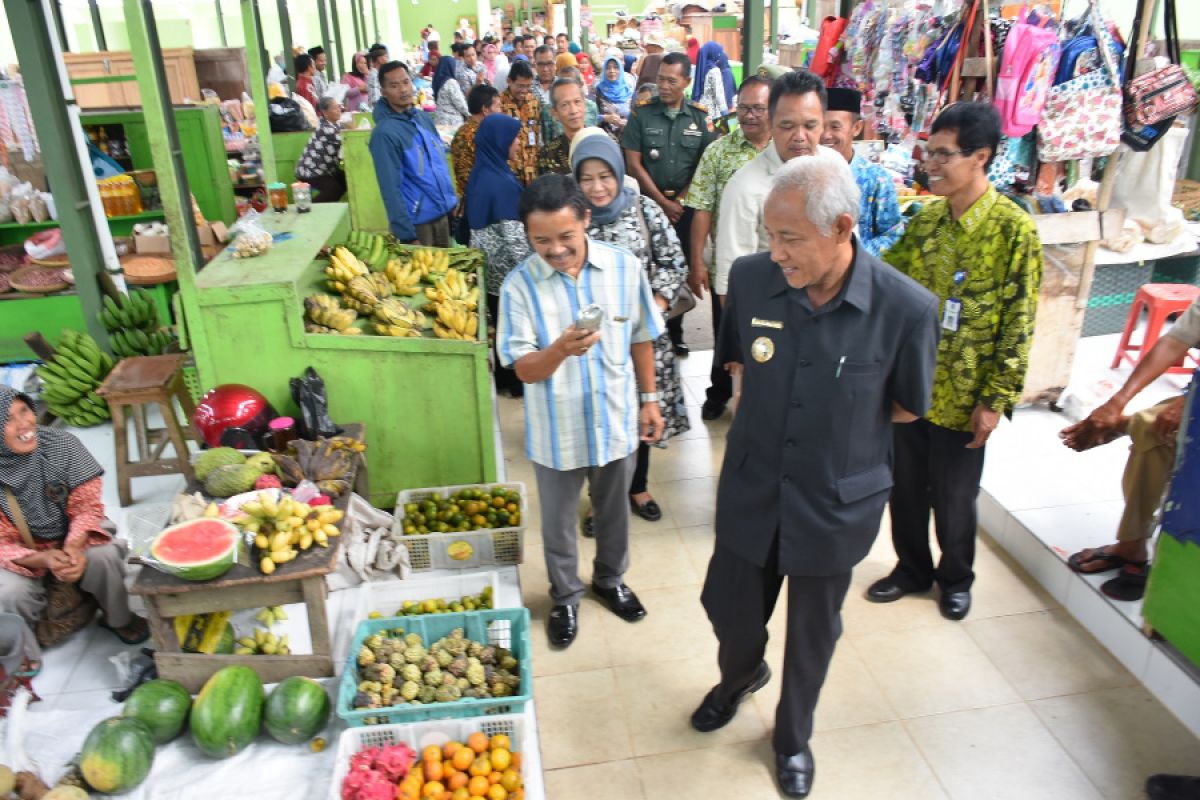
x: 649, y: 510
x: 1172, y: 787
x: 712, y: 714
x: 955, y: 605
x: 681, y: 349
x: 562, y: 625
x: 885, y: 590
x: 795, y: 773
x: 710, y: 411
x: 588, y: 527
x: 621, y: 601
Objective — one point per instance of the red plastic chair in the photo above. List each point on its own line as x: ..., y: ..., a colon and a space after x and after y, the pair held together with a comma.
x: 1161, y: 300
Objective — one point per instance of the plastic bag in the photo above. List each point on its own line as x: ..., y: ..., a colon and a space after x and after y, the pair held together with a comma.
x: 46, y: 244
x: 308, y: 392
x: 250, y: 237
x: 286, y: 116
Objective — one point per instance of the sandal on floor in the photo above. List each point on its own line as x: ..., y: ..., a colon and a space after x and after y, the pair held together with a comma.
x: 1098, y: 555
x: 136, y: 632
x: 1130, y: 584
x: 29, y: 669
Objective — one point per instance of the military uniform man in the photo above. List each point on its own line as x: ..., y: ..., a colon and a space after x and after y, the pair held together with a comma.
x: 663, y: 142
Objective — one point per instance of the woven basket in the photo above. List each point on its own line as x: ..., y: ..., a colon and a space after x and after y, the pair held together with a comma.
x: 21, y: 282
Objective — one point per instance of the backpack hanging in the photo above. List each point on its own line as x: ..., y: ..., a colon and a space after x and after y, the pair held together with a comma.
x: 825, y: 56
x: 1027, y: 70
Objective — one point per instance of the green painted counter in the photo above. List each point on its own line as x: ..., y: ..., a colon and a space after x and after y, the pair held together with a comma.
x: 367, y: 212
x: 426, y: 402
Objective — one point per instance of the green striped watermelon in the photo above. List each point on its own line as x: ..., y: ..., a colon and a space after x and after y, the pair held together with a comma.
x: 196, y: 550
x: 163, y: 705
x: 296, y: 710
x: 117, y: 755
x: 228, y: 711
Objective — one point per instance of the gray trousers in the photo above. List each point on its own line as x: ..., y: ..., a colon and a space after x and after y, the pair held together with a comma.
x: 103, y: 578
x: 558, y: 493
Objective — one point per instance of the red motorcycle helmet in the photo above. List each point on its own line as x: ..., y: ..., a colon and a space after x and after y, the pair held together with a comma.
x: 230, y: 412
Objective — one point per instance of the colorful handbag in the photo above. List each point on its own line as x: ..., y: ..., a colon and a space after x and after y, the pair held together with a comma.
x: 1082, y: 117
x: 1163, y: 93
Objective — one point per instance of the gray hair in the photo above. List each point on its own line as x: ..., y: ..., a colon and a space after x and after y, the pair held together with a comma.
x: 325, y: 103
x: 827, y: 183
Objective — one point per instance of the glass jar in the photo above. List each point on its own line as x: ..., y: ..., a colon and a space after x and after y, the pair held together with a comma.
x: 302, y: 195
x: 280, y: 432
x: 279, y: 198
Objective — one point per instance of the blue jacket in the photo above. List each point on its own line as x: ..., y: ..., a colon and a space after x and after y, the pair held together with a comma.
x: 410, y: 165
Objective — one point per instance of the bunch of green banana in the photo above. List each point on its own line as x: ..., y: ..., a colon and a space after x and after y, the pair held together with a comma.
x: 137, y: 342
x: 455, y: 321
x: 326, y: 311
x: 135, y: 310
x: 262, y: 643
x: 69, y: 380
x: 270, y: 615
x: 370, y: 248
x: 393, y: 318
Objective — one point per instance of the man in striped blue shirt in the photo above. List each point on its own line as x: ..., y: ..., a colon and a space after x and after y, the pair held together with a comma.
x: 590, y: 396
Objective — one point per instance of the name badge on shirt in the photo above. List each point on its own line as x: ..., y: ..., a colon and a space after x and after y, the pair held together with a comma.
x: 951, y: 314
x: 693, y: 131
x: 762, y: 350
x: 755, y: 322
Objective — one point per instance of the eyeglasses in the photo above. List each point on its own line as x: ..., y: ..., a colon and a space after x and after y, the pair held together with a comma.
x: 752, y: 111
x: 944, y: 156
x: 544, y: 63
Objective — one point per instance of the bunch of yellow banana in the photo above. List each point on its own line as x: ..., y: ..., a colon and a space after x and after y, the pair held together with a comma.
x: 454, y: 286
x: 326, y: 311
x: 382, y: 284
x: 361, y: 290
x: 284, y: 527
x: 391, y: 313
x: 405, y: 278
x: 313, y: 327
x: 431, y: 261
x: 455, y: 321
x: 343, y: 267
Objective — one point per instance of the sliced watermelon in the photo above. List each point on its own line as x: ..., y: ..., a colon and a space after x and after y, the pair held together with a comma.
x: 199, y: 550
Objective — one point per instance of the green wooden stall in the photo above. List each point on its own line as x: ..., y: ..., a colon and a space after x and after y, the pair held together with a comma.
x: 426, y: 402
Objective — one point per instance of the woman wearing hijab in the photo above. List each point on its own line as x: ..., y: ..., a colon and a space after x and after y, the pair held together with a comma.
x: 431, y: 63
x: 493, y: 60
x: 452, y: 108
x: 623, y: 217
x: 565, y: 61
x: 51, y: 521
x: 586, y: 70
x: 356, y: 79
x: 493, y: 196
x: 693, y: 49
x: 714, y: 87
x: 614, y: 93
x: 647, y: 72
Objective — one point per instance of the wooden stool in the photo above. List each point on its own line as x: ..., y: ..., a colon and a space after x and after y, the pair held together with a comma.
x: 132, y: 385
x: 1161, y: 300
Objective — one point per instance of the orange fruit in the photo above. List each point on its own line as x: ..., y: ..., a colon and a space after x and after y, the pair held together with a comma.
x: 478, y: 742
x: 433, y: 770
x: 499, y: 741
x: 463, y: 757
x: 458, y: 781
x: 481, y: 766
x: 494, y: 777
x: 516, y: 761
x: 461, y: 794
x: 511, y: 779
x: 408, y: 791
x: 497, y: 792
x: 433, y: 789
x: 449, y: 749
x: 417, y: 774
x: 478, y: 787
x: 432, y: 753
x: 501, y: 759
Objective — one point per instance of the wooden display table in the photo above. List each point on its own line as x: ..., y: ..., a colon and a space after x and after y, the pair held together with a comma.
x: 299, y: 580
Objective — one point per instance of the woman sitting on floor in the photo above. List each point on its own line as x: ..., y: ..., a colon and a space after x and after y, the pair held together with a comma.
x: 51, y: 531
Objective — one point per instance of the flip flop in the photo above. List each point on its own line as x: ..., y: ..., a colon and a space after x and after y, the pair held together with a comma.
x: 1129, y: 585
x: 1094, y: 555
x: 30, y: 669
x: 140, y: 631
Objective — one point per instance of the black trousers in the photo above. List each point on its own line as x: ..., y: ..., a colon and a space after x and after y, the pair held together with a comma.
x: 934, y: 471
x: 506, y: 379
x: 683, y: 229
x: 720, y: 389
x: 739, y: 598
x: 641, y: 470
x: 329, y: 188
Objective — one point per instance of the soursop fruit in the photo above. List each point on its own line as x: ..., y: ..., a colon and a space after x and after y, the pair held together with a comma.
x: 209, y: 460
x: 230, y: 479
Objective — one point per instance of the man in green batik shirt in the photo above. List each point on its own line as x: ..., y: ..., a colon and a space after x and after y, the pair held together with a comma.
x: 721, y: 159
x: 980, y: 254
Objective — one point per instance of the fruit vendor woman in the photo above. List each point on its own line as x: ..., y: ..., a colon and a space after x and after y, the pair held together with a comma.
x: 52, y: 529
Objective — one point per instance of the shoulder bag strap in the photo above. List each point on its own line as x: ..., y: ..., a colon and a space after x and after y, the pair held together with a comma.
x: 1171, y: 28
x: 19, y: 519
x: 1131, y: 52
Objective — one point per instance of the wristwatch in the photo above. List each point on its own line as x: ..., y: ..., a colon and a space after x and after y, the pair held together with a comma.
x: 648, y: 397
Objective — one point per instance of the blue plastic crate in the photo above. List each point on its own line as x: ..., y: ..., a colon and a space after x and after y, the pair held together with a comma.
x: 504, y: 627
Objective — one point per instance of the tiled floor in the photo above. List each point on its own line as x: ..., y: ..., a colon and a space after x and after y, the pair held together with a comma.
x: 1017, y: 702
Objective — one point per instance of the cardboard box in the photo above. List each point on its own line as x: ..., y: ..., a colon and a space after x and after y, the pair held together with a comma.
x: 28, y: 171
x: 152, y: 245
x: 212, y: 236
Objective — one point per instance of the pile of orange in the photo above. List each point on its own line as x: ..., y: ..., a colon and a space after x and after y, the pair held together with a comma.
x: 480, y: 767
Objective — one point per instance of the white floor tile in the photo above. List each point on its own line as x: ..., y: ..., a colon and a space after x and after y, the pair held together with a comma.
x: 1125, y: 641
x: 1176, y: 684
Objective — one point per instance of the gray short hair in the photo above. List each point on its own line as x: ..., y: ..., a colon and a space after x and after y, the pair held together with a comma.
x: 827, y: 183
x: 325, y: 103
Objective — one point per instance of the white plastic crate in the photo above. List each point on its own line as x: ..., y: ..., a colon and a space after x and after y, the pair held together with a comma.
x: 386, y: 597
x: 489, y: 546
x: 419, y: 735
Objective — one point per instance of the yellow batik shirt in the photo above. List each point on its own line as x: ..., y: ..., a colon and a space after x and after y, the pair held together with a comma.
x: 990, y: 260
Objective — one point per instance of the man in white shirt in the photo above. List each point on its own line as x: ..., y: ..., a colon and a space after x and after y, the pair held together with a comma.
x: 797, y: 114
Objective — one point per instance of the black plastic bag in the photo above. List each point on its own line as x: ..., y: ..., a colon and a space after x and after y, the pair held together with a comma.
x: 308, y: 391
x: 286, y: 116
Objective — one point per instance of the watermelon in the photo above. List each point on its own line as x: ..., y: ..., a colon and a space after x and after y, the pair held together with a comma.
x: 197, y: 550
x: 228, y: 711
x: 296, y: 710
x: 163, y: 705
x: 117, y: 755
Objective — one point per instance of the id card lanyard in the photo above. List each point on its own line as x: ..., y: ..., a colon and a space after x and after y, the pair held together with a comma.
x: 953, y: 310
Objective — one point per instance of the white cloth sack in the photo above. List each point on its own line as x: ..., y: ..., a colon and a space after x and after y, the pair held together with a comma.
x: 369, y: 549
x: 1145, y: 183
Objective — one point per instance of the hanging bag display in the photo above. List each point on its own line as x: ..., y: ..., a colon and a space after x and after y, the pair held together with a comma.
x: 1027, y: 70
x: 1082, y: 117
x: 825, y: 56
x: 1153, y: 100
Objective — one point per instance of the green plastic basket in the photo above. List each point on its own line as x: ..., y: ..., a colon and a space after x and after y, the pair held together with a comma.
x: 504, y: 627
